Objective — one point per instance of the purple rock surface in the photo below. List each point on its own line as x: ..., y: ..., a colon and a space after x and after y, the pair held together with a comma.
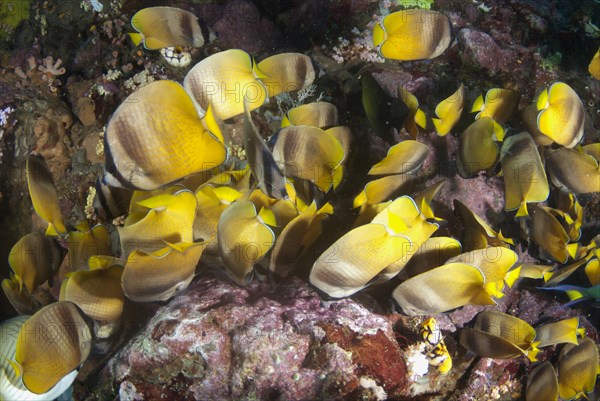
x: 218, y: 341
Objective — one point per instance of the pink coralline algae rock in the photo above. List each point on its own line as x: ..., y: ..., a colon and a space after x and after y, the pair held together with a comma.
x: 217, y: 341
x: 480, y: 51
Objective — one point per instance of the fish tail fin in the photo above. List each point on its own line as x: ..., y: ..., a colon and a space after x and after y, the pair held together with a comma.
x: 572, y: 249
x: 574, y: 295
x: 326, y: 209
x: 522, y: 212
x: 338, y: 174
x: 51, y: 231
x: 547, y: 276
x: 512, y: 276
x: 19, y: 280
x: 440, y: 127
x: 421, y: 118
x: 14, y: 364
x: 533, y: 352
x: 426, y: 210
x: 499, y: 132
x: 211, y: 124
x: 359, y: 200
x: 136, y: 37
x: 478, y: 104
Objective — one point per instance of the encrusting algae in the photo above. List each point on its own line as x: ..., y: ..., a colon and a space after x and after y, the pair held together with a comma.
x: 190, y: 200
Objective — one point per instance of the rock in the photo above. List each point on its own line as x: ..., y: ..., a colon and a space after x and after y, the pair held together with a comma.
x: 479, y: 51
x: 221, y: 342
x: 242, y: 26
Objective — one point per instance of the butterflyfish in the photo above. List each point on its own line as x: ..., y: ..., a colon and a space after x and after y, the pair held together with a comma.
x: 501, y: 336
x: 433, y: 253
x: 160, y: 27
x: 160, y: 275
x: 499, y: 105
x: 11, y: 385
x: 448, y: 111
x: 563, y: 331
x: 477, y: 233
x: 542, y: 383
x: 594, y: 67
x: 384, y: 112
x: 19, y: 298
x: 577, y: 369
x: 496, y: 265
x: 296, y: 237
x: 285, y: 72
x: 383, y: 189
x: 34, y: 259
x: 66, y: 343
x: 356, y: 259
x: 412, y: 35
x: 212, y: 201
x: 416, y: 117
x: 85, y: 242
x: 244, y: 239
x: 524, y: 176
x: 403, y: 158
x: 477, y: 149
x: 165, y: 218
x: 155, y: 137
x: 548, y: 233
x: 574, y: 171
x: 44, y: 195
x: 316, y: 114
x: 111, y: 202
x: 562, y: 115
x: 441, y: 289
x: 529, y: 118
x: 226, y: 79
x: 98, y: 293
x: 265, y: 169
x: 418, y: 223
x: 309, y: 153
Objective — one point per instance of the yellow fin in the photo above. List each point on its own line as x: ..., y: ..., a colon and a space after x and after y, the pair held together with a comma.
x: 326, y: 209
x: 499, y: 132
x: 211, y: 124
x: 439, y: 126
x: 572, y: 249
x: 268, y: 217
x: 136, y: 37
x: 522, y: 210
x: 512, y: 276
x: 15, y: 365
x: 421, y: 118
x: 51, y: 231
x: 478, y: 104
x: 360, y: 199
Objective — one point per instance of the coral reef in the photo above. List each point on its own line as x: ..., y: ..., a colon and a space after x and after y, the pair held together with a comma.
x: 64, y: 69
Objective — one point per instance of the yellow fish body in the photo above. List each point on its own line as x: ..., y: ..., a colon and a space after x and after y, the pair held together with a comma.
x: 156, y: 137
x: 562, y: 115
x: 44, y: 195
x: 161, y: 27
x: 524, y: 176
x: 412, y: 35
x: 449, y: 111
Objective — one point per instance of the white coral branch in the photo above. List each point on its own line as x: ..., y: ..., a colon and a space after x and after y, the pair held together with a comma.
x: 52, y: 67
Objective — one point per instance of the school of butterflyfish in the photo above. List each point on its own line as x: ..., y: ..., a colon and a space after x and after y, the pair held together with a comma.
x: 186, y: 196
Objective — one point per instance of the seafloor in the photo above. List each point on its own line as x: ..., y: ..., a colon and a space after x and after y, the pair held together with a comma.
x: 65, y: 66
